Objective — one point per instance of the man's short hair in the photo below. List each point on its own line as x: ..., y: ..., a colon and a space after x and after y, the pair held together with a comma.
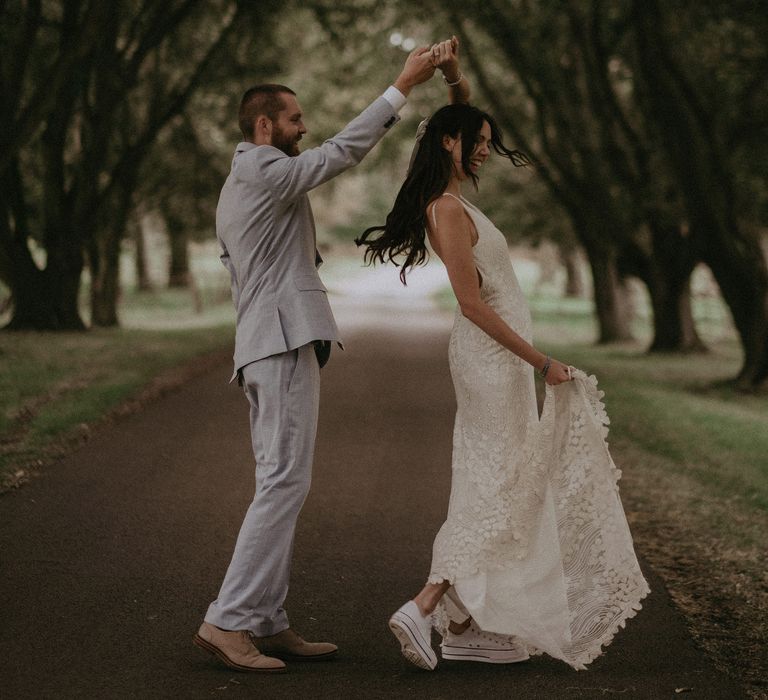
x: 261, y: 100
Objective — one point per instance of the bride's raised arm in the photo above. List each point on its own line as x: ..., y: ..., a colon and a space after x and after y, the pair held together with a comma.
x: 445, y: 56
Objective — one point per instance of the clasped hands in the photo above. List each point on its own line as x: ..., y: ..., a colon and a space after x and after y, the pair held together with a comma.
x: 445, y: 56
x: 422, y: 62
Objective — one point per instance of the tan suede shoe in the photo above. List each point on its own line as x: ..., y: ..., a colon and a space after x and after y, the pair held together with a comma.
x: 235, y: 649
x: 290, y: 646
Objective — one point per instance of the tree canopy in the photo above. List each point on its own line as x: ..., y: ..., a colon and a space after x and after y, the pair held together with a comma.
x: 646, y: 122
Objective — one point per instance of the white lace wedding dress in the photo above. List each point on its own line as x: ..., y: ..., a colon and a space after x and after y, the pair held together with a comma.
x: 536, y: 543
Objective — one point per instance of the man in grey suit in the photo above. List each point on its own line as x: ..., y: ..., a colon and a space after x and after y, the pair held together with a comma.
x: 285, y: 329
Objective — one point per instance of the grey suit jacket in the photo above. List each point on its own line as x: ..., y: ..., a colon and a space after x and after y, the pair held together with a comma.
x: 266, y: 231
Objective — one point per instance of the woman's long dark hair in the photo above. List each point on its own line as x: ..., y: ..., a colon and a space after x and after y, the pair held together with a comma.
x: 405, y: 227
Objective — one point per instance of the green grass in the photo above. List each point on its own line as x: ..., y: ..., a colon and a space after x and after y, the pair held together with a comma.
x: 671, y: 407
x: 677, y: 408
x: 51, y: 384
x: 54, y: 385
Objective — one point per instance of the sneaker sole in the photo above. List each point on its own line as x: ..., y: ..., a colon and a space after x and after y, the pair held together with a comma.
x: 487, y: 656
x: 221, y: 656
x: 412, y: 646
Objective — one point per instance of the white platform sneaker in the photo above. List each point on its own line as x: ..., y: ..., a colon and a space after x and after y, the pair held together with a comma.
x: 414, y: 632
x: 487, y: 647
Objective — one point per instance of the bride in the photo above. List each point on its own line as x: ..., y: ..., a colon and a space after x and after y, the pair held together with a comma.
x: 535, y: 554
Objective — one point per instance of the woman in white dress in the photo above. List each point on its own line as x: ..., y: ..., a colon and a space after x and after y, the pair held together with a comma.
x: 535, y: 554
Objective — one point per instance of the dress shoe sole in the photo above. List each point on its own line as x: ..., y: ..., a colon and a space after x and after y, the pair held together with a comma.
x: 413, y: 646
x: 486, y: 656
x: 221, y: 656
x: 287, y: 656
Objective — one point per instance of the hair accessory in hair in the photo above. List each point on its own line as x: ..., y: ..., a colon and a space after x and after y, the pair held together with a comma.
x: 419, y: 136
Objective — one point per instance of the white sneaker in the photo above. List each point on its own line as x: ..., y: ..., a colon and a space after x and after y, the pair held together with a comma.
x: 488, y: 647
x: 414, y: 632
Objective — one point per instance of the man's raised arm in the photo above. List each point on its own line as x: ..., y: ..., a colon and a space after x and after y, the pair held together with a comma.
x: 291, y: 176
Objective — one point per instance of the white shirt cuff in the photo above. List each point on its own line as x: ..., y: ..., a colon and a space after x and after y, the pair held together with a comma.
x: 395, y: 98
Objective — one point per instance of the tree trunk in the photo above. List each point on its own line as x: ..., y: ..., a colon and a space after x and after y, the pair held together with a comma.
x: 64, y: 281
x: 664, y: 262
x: 143, y: 283
x: 670, y: 267
x: 106, y: 251
x: 31, y: 298
x: 178, y: 269
x: 673, y: 327
x: 744, y: 285
x: 707, y: 185
x: 611, y: 303
x: 105, y: 282
x: 59, y: 283
x: 45, y: 302
x: 42, y: 299
x: 574, y: 283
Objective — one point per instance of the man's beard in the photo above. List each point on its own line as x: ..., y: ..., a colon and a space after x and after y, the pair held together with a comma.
x: 289, y: 146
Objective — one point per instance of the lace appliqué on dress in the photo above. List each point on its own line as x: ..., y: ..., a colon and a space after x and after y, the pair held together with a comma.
x: 520, y: 483
x: 565, y: 452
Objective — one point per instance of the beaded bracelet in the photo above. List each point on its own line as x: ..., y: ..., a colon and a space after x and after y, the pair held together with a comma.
x: 545, y: 368
x: 456, y: 82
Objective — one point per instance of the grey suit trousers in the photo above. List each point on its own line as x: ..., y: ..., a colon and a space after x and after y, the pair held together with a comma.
x: 284, y: 393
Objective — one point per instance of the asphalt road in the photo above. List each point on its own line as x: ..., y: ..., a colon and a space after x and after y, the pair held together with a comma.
x: 108, y: 560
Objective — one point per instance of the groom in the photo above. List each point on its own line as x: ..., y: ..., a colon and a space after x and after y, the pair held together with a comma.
x: 284, y: 333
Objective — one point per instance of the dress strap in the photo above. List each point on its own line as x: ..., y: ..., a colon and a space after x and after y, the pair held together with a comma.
x: 434, y: 206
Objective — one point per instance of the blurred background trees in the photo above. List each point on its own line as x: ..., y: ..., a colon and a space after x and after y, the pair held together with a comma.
x: 647, y: 121
x: 639, y: 115
x: 90, y: 90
